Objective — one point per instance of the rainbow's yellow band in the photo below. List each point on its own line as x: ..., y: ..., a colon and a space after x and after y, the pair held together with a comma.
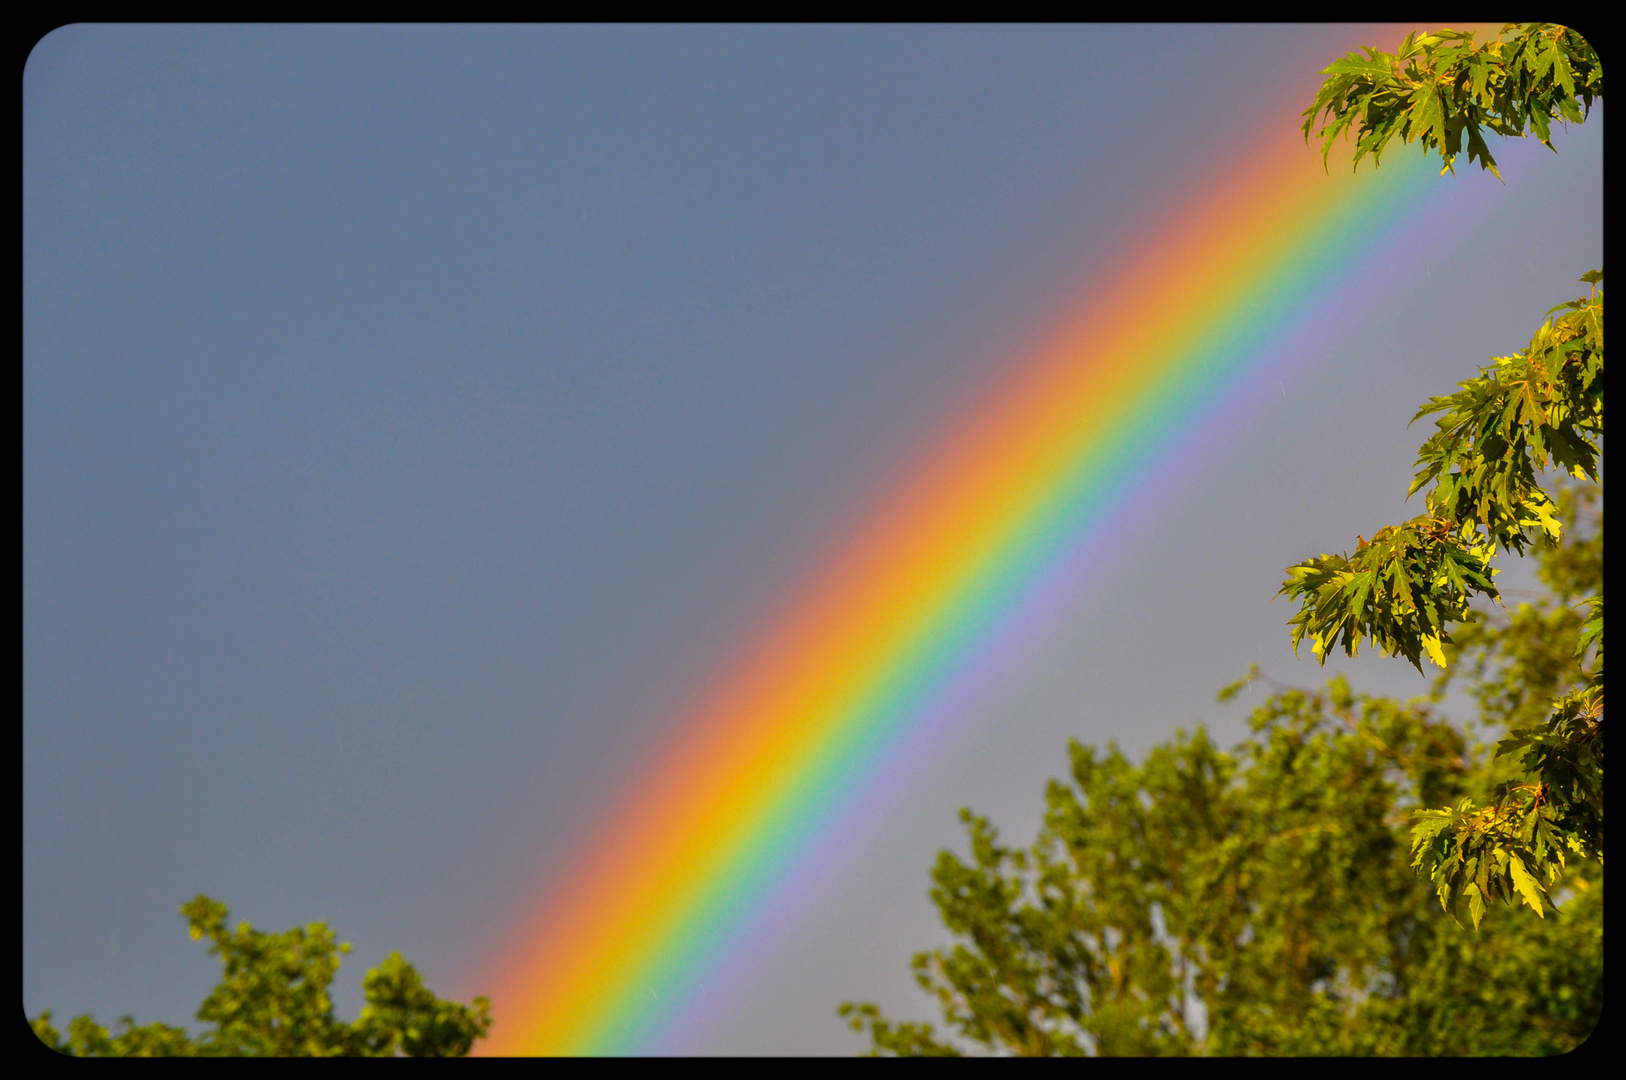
x: 777, y: 742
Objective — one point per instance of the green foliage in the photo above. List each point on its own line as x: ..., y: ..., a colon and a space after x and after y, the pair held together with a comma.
x: 1540, y: 406
x: 1537, y: 408
x: 1252, y: 902
x: 272, y: 1001
x: 1518, y: 661
x: 1402, y: 590
x: 1406, y: 586
x: 1538, y: 672
x: 1264, y: 901
x: 896, y: 1040
x: 1441, y: 90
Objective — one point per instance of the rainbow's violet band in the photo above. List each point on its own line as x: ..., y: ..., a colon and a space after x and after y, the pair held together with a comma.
x: 932, y: 596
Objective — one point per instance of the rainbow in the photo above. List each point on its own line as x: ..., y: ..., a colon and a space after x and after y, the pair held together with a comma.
x: 943, y: 580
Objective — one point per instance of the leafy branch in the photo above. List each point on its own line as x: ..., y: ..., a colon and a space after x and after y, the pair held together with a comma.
x: 1537, y: 408
x: 1401, y: 590
x: 1441, y: 90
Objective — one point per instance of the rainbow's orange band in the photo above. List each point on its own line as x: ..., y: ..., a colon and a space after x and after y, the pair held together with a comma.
x: 718, y: 817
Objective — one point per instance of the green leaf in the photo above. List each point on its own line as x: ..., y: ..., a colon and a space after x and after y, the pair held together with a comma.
x: 1529, y: 891
x: 1476, y: 903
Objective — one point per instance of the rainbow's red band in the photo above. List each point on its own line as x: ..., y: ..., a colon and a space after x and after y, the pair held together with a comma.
x: 775, y: 744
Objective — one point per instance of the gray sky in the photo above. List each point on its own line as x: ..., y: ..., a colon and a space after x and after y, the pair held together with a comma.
x: 413, y: 418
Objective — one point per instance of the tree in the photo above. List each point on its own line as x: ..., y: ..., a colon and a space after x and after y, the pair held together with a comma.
x: 1542, y: 407
x: 1262, y: 901
x: 272, y: 1001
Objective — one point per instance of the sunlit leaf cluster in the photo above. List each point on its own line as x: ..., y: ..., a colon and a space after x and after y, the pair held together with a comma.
x: 1443, y: 91
x: 1402, y: 589
x: 1477, y: 855
x: 1405, y: 587
x: 1552, y: 811
x: 1520, y: 659
x: 1538, y: 672
x: 1536, y: 408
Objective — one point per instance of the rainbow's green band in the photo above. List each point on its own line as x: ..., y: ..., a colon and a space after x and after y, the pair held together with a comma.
x: 766, y: 762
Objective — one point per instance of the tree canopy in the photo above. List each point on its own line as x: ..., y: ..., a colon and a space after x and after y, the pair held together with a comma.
x: 272, y: 1001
